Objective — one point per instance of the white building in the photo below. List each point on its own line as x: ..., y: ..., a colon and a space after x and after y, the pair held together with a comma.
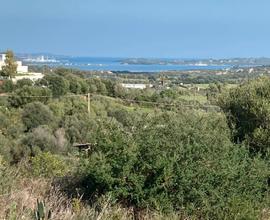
x: 21, y: 70
x: 136, y: 86
x: 31, y: 76
x: 20, y: 67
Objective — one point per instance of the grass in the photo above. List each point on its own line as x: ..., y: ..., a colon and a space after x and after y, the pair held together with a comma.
x: 201, y: 86
x: 197, y: 97
x: 206, y: 85
x: 21, y: 202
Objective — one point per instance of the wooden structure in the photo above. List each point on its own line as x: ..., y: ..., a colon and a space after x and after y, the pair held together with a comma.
x: 87, y: 147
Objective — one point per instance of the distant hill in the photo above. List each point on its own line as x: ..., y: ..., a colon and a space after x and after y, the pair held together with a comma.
x: 227, y: 61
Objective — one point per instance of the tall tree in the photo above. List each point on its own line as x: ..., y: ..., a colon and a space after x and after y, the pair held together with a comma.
x: 10, y: 67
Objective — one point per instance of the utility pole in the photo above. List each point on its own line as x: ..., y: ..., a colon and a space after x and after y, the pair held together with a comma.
x: 88, y: 100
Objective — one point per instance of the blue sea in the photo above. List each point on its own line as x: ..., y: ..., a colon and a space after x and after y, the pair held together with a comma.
x: 114, y: 64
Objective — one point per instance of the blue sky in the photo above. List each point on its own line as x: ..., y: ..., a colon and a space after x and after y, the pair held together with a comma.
x: 137, y: 28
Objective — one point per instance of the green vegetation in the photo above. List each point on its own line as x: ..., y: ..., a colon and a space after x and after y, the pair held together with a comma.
x: 41, y: 213
x: 159, y: 153
x: 10, y: 68
x: 247, y: 108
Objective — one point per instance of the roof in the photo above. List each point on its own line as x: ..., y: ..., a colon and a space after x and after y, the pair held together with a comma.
x: 81, y: 146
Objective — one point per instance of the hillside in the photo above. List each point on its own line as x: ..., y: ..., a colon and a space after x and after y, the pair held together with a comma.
x: 174, y: 151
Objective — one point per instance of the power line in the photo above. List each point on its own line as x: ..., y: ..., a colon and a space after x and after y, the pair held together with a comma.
x: 41, y: 96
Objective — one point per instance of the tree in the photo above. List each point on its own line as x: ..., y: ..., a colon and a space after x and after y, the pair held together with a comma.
x: 24, y: 82
x: 101, y: 87
x: 119, y: 91
x: 10, y: 68
x: 76, y: 84
x: 28, y: 94
x: 248, y: 112
x: 79, y: 127
x: 36, y: 114
x: 58, y: 84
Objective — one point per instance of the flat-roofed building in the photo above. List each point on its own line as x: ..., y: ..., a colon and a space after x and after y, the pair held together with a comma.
x: 136, y: 85
x: 22, y: 71
x: 20, y: 67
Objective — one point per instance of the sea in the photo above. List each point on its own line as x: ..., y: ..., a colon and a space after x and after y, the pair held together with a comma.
x: 115, y: 64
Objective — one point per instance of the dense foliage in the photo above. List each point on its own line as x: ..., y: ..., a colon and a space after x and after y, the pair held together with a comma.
x: 248, y: 112
x: 175, y: 162
x: 163, y: 157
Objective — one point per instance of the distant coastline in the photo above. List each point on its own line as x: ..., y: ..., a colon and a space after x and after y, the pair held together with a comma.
x: 198, y: 62
x: 140, y: 64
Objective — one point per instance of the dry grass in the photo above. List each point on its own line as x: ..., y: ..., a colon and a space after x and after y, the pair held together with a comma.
x: 19, y: 194
x: 20, y: 204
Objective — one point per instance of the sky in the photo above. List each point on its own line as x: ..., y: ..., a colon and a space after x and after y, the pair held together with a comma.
x: 137, y: 28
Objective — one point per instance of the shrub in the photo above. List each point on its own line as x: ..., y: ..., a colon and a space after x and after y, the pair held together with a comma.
x: 7, y: 86
x: 76, y: 84
x: 3, y: 163
x: 58, y: 84
x: 4, y: 148
x: 36, y: 114
x: 80, y: 128
x: 175, y: 163
x: 46, y: 164
x: 43, y: 138
x: 28, y: 94
x: 24, y: 82
x: 248, y: 112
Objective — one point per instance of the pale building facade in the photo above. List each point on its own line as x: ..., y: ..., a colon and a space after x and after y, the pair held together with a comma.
x: 21, y: 70
x: 136, y: 86
x: 20, y: 67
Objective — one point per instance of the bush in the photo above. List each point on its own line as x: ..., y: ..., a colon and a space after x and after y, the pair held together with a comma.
x: 4, y: 148
x: 7, y: 86
x: 175, y: 163
x: 77, y: 85
x: 28, y: 94
x: 40, y: 139
x: 248, y: 112
x: 36, y: 114
x: 24, y: 82
x: 80, y: 128
x: 58, y: 84
x: 48, y: 165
